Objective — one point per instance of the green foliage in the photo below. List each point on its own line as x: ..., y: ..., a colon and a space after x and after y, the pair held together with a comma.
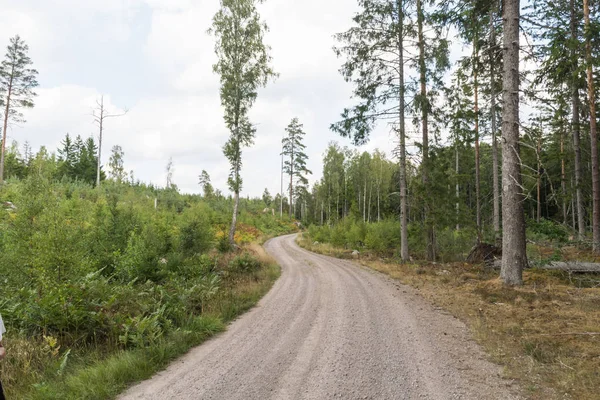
x: 244, y: 263
x: 101, y: 268
x: 547, y: 230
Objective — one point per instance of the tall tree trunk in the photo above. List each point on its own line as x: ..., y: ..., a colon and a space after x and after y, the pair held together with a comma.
x: 291, y: 178
x: 539, y: 181
x: 457, y: 187
x: 563, y: 177
x: 576, y: 126
x: 101, y: 131
x: 5, y: 126
x: 593, y: 131
x: 281, y: 191
x: 425, y: 128
x: 514, y: 254
x: 495, y: 174
x: 365, y: 202
x: 477, y: 156
x: 402, y: 132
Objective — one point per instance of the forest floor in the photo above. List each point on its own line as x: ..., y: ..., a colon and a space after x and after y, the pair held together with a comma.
x: 546, y: 334
x: 332, y: 329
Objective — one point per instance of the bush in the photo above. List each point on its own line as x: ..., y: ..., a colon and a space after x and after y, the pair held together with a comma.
x: 547, y: 230
x: 244, y: 263
x: 383, y: 237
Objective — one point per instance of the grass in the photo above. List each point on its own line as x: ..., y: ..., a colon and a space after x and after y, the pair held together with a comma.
x: 540, y: 332
x: 93, y: 373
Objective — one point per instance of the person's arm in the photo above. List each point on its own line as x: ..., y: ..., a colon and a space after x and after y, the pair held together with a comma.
x: 2, y: 351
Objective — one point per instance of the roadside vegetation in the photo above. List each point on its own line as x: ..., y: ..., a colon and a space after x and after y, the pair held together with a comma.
x: 545, y: 333
x: 100, y: 288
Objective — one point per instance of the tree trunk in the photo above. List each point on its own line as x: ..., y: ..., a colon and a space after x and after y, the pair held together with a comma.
x: 236, y: 205
x: 5, y: 126
x: 403, y: 208
x: 593, y: 131
x: 576, y: 128
x: 291, y: 179
x: 514, y: 255
x: 457, y: 188
x: 425, y: 128
x: 281, y: 191
x: 495, y: 175
x: 477, y: 156
x: 563, y: 178
x: 365, y: 202
x: 539, y: 181
x: 100, y: 123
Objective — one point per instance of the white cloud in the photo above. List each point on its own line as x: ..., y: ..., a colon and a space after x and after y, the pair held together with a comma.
x: 155, y: 56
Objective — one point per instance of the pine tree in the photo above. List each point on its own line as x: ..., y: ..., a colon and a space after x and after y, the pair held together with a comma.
x: 243, y: 66
x: 295, y: 163
x: 207, y: 188
x: 17, y: 81
x: 593, y: 129
x: 375, y: 55
x: 514, y: 254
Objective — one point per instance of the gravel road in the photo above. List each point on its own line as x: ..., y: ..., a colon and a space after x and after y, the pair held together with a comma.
x: 331, y: 329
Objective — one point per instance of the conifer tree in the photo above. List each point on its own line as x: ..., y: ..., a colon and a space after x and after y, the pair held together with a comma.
x: 374, y: 49
x: 295, y: 160
x: 514, y: 254
x: 204, y: 181
x: 17, y: 82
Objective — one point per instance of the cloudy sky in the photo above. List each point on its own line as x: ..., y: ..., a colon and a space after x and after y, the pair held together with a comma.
x: 154, y: 58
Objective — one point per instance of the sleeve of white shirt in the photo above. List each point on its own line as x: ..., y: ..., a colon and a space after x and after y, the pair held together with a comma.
x: 2, y: 330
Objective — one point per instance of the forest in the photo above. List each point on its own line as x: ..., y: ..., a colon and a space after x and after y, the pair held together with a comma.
x: 444, y: 178
x: 105, y: 278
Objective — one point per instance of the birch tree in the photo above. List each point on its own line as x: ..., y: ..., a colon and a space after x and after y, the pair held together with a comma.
x: 243, y: 66
x: 17, y: 82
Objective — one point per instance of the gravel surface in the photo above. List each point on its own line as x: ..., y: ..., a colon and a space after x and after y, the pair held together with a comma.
x: 331, y: 329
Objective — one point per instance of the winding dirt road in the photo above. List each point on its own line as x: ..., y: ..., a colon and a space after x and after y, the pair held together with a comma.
x: 330, y: 329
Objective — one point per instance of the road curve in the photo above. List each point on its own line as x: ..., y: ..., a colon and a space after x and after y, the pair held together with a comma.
x: 331, y: 329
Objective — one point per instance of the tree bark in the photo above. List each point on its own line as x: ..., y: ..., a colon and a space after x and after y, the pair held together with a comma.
x: 5, y: 126
x: 402, y: 133
x: 425, y: 128
x: 593, y: 131
x: 495, y: 174
x: 576, y: 128
x: 100, y: 123
x: 292, y: 178
x: 514, y: 255
x: 539, y: 181
x: 477, y: 156
x: 236, y: 205
x: 563, y: 178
